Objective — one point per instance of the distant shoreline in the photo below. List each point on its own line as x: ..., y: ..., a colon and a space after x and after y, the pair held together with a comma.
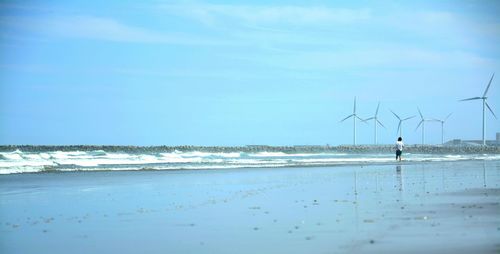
x: 426, y: 149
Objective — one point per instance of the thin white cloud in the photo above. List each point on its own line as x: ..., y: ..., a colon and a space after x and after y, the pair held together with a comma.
x: 99, y: 28
x: 376, y: 58
x: 278, y: 25
x: 210, y: 73
x: 451, y: 27
x: 260, y: 14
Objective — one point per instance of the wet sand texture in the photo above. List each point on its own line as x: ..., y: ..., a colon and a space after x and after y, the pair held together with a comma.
x: 446, y: 207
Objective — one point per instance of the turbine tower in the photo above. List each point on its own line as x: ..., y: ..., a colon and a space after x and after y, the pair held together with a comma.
x: 442, y: 127
x: 354, y: 117
x: 375, y: 121
x: 422, y: 122
x: 484, y: 104
x: 401, y: 120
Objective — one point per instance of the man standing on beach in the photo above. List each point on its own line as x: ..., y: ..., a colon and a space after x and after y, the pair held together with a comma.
x: 399, y: 148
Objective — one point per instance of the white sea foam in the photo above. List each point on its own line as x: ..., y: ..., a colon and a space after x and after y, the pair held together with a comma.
x: 12, y: 156
x: 120, y: 156
x: 182, y: 160
x: 207, y: 154
x: 257, y: 162
x: 282, y: 154
x: 9, y: 164
x: 24, y: 162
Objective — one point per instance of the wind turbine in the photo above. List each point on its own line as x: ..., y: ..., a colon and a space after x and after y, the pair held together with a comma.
x: 401, y: 120
x: 422, y: 122
x: 375, y: 121
x: 354, y: 117
x: 484, y: 103
x: 442, y: 127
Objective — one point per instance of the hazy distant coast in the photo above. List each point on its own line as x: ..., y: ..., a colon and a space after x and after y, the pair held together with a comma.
x: 432, y: 149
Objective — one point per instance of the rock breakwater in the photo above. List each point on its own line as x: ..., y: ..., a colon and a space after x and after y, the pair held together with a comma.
x: 426, y: 149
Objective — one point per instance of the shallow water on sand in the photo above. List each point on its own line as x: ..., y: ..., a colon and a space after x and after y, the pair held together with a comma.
x: 403, y: 208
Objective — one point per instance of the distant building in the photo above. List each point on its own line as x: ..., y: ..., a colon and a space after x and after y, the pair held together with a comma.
x: 460, y: 142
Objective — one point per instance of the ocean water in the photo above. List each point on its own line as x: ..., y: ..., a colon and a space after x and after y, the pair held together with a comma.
x: 53, y: 161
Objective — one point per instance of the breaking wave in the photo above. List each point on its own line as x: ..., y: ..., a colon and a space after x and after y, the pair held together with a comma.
x: 99, y: 160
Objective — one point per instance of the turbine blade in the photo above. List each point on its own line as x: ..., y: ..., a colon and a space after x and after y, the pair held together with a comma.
x: 470, y: 99
x: 488, y: 87
x: 360, y: 119
x: 399, y: 125
x: 421, y: 116
x: 376, y: 111
x: 419, y: 124
x: 447, y: 117
x: 408, y: 118
x: 381, y: 124
x: 349, y: 116
x: 488, y: 106
x: 395, y: 115
x: 369, y: 118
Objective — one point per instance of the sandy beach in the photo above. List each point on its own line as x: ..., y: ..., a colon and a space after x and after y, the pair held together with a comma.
x: 429, y: 207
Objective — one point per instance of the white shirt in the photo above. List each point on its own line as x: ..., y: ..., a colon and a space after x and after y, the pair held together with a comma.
x: 399, y: 145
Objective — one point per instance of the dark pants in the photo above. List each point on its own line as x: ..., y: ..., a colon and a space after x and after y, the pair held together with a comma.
x: 398, y: 154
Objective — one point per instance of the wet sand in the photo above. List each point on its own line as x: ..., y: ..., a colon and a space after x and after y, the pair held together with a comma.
x: 442, y: 207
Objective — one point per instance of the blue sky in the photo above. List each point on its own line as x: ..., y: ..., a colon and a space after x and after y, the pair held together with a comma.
x: 243, y: 72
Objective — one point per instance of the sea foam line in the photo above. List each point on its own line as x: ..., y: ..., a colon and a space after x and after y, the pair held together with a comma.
x: 21, y: 162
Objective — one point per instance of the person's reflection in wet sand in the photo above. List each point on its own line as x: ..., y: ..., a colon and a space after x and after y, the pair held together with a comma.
x: 484, y: 175
x: 400, y: 177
